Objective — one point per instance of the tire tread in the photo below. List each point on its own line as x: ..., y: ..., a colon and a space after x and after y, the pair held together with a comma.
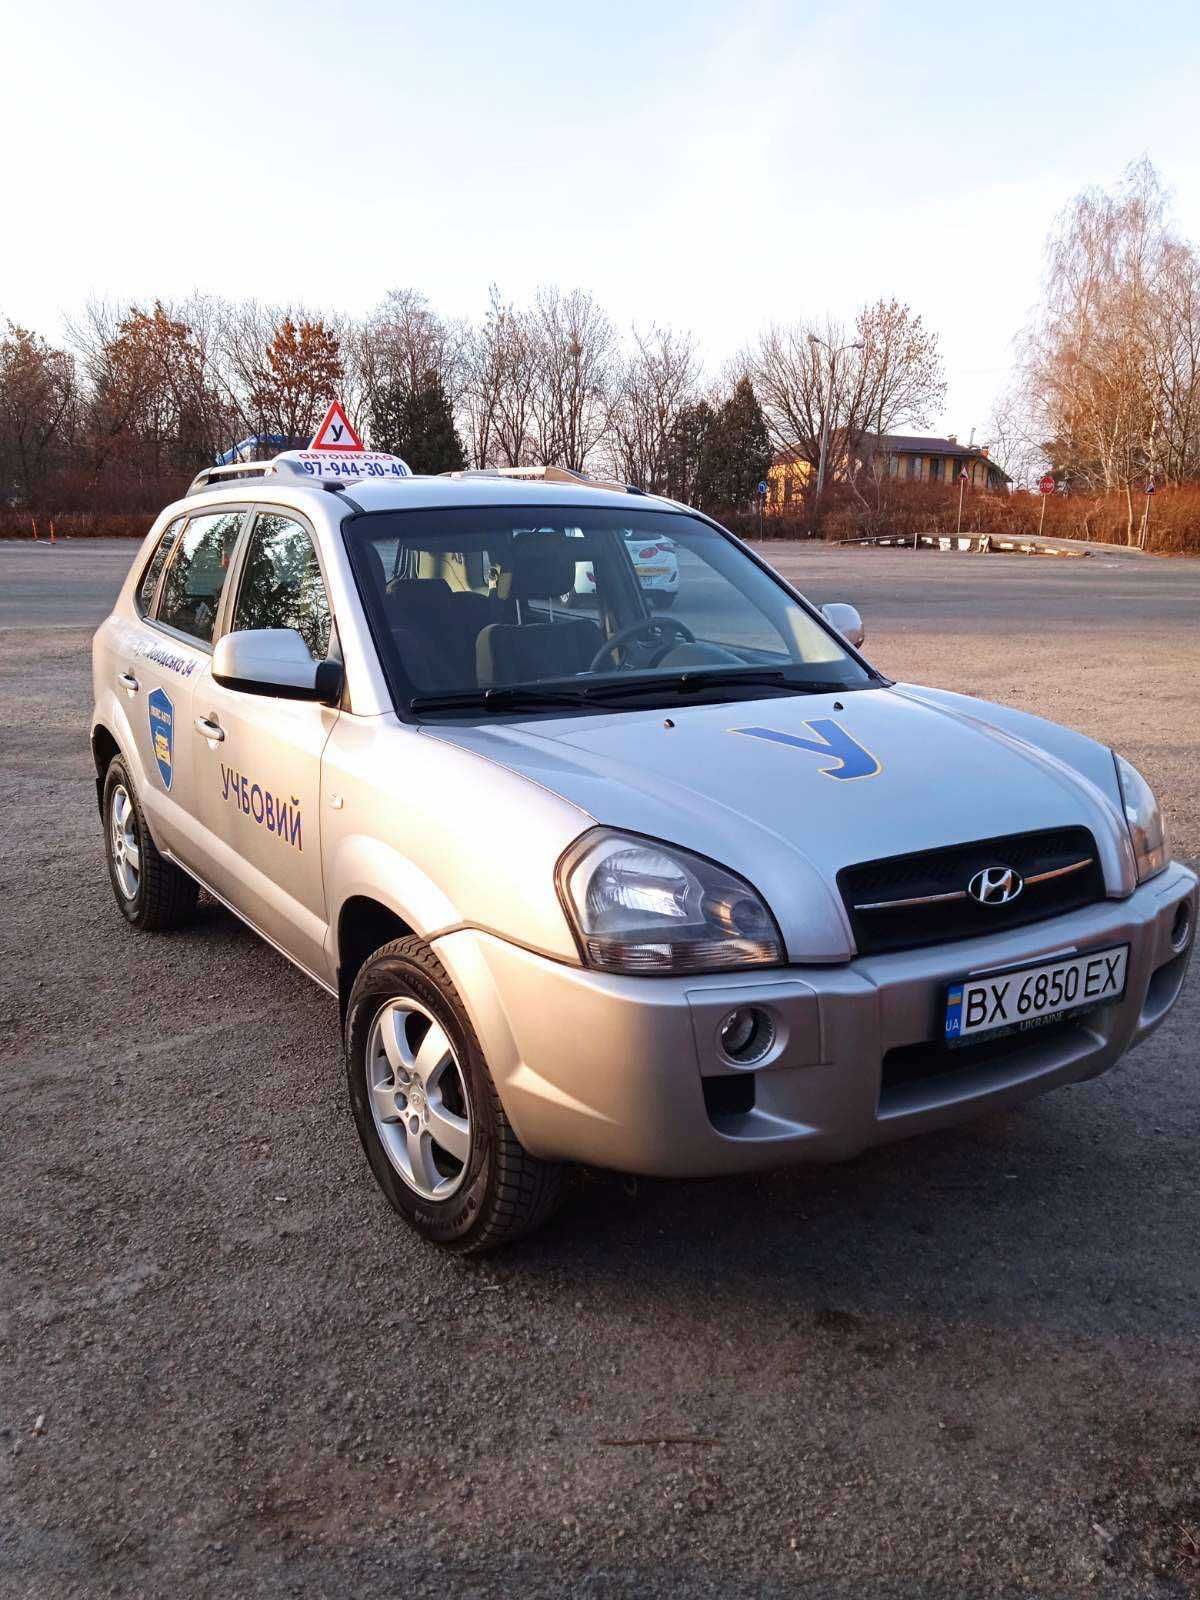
x: 168, y: 895
x: 526, y: 1190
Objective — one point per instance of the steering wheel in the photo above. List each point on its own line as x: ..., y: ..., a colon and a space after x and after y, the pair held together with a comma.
x: 660, y: 625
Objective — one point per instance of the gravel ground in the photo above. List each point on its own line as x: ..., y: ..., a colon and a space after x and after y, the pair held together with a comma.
x: 964, y: 1366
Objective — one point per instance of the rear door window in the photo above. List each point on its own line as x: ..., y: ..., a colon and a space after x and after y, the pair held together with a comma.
x: 195, y: 580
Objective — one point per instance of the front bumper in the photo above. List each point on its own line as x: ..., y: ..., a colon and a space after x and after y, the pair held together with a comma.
x: 628, y: 1072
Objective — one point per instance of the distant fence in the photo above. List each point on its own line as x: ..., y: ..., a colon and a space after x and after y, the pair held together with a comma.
x: 73, y: 525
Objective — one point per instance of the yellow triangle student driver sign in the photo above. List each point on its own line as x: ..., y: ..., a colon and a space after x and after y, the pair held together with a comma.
x: 335, y: 433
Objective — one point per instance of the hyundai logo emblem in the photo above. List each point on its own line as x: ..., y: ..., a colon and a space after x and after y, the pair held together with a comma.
x: 995, y: 886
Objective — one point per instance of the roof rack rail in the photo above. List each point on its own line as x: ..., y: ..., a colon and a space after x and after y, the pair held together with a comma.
x: 241, y: 469
x: 548, y: 475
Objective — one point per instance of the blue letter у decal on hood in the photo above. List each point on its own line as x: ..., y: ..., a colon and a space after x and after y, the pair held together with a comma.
x: 832, y: 741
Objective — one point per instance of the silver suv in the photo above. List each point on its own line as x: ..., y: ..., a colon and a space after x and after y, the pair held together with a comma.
x: 674, y: 893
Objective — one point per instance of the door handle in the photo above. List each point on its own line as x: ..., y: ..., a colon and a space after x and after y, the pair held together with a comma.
x: 128, y: 681
x: 210, y: 729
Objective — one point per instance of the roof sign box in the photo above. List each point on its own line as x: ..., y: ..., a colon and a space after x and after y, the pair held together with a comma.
x: 335, y: 433
x: 344, y: 466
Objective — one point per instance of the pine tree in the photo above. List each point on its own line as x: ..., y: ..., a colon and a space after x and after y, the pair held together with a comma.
x: 417, y: 424
x: 685, y: 452
x: 737, y: 452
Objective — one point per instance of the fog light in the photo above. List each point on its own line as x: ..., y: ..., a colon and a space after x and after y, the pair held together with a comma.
x: 746, y: 1035
x: 1181, y: 928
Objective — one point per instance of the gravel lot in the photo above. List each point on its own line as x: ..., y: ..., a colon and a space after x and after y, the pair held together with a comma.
x: 964, y: 1366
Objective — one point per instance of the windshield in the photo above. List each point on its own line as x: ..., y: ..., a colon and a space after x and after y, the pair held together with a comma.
x: 499, y: 605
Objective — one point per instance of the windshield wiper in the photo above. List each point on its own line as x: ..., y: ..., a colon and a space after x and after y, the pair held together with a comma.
x: 529, y: 697
x: 514, y: 697
x: 699, y: 680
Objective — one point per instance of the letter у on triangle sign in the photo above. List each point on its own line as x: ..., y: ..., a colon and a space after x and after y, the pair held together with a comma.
x: 335, y: 433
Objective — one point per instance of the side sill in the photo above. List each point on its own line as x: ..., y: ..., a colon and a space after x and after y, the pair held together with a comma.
x: 253, y: 926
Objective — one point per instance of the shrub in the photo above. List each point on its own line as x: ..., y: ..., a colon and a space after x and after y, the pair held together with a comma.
x: 912, y: 508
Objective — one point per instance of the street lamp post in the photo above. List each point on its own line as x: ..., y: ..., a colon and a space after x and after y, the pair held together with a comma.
x: 824, y: 454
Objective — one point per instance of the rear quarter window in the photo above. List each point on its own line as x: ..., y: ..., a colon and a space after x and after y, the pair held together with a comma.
x: 148, y: 587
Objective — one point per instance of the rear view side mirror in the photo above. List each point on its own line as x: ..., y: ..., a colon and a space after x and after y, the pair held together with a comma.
x: 275, y: 662
x: 846, y: 620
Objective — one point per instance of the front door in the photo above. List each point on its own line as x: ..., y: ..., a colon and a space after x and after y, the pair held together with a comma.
x: 258, y: 758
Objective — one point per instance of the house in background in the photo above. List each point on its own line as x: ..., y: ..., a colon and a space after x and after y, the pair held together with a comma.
x: 786, y: 480
x: 919, y: 458
x: 909, y: 458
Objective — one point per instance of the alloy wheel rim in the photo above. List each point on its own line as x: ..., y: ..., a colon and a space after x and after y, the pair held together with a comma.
x: 419, y: 1100
x: 123, y: 843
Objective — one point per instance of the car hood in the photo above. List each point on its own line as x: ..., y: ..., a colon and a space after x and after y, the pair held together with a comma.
x: 789, y: 789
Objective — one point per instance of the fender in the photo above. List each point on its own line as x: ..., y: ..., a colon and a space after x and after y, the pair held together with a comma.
x: 111, y: 716
x: 359, y: 865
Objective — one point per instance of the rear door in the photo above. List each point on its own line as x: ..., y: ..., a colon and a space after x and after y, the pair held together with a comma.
x: 178, y: 599
x: 258, y: 759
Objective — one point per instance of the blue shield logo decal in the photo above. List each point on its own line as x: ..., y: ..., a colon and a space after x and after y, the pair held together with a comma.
x: 162, y: 732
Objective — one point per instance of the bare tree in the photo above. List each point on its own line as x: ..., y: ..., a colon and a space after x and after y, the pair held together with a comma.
x: 498, y: 378
x: 1015, y: 439
x: 883, y: 372
x: 39, y: 411
x: 574, y: 348
x: 395, y: 349
x: 1112, y: 358
x: 657, y: 380
x: 286, y: 364
x: 153, y: 400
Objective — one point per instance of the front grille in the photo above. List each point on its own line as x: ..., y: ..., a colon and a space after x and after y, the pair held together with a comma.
x: 904, y: 902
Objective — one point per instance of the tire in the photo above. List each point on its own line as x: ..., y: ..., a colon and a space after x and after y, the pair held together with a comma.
x: 152, y: 892
x: 661, y: 600
x: 495, y: 1192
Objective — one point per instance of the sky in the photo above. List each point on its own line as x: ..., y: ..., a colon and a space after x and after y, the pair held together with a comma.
x: 712, y: 167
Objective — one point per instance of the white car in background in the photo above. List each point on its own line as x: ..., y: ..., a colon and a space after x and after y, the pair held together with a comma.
x: 655, y: 562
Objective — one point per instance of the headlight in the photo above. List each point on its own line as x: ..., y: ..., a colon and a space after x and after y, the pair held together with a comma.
x: 637, y: 906
x: 1145, y: 821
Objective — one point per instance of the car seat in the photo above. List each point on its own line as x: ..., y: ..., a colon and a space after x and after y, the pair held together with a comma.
x: 542, y: 567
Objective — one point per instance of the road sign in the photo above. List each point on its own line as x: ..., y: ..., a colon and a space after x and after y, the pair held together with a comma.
x: 1047, y: 485
x: 762, y: 488
x: 335, y: 433
x: 1150, y: 487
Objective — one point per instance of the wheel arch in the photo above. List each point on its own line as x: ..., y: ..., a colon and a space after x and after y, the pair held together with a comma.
x: 364, y: 925
x: 104, y: 747
x: 376, y: 894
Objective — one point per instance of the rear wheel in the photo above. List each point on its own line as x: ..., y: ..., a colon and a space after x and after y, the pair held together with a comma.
x: 152, y: 892
x: 427, y: 1112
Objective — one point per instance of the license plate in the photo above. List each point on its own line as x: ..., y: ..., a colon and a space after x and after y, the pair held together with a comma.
x: 1031, y: 997
x: 652, y: 572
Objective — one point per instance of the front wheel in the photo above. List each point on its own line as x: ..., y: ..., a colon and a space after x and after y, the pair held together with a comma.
x: 427, y: 1112
x: 152, y: 892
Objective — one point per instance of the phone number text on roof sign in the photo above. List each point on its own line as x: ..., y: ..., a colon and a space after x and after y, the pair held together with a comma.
x: 358, y: 464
